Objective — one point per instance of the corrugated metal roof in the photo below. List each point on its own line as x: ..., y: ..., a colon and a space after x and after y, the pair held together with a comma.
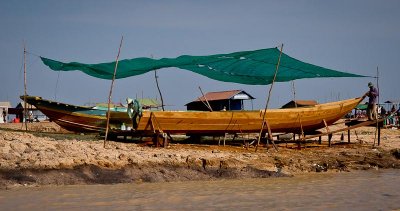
x: 223, y: 95
x: 149, y: 103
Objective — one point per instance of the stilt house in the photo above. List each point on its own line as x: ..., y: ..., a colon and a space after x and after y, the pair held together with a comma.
x: 225, y: 100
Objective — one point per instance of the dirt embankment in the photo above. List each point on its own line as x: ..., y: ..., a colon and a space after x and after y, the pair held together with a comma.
x: 50, y: 158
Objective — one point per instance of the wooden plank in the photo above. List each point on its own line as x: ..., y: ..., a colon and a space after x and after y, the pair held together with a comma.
x: 366, y: 123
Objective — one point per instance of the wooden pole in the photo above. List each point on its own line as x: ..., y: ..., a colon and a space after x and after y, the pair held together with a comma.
x: 377, y: 87
x: 295, y: 104
x: 294, y: 94
x: 25, y: 92
x: 379, y: 135
x: 269, y: 95
x: 348, y: 136
x: 205, y: 104
x: 298, y: 115
x: 209, y: 106
x: 111, y: 88
x: 159, y: 91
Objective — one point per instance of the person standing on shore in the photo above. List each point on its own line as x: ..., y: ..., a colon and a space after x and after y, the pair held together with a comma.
x: 372, y: 94
x: 4, y: 115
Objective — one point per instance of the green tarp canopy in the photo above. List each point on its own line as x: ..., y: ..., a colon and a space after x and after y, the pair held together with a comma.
x: 246, y: 67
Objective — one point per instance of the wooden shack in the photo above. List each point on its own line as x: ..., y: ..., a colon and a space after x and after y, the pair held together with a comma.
x: 300, y: 103
x: 33, y: 113
x: 224, y: 100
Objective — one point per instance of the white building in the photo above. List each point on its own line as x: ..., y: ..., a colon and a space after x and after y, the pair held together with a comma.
x: 4, y: 111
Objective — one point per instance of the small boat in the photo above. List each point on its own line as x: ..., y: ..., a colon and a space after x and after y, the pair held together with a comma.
x: 72, y: 117
x: 87, y: 119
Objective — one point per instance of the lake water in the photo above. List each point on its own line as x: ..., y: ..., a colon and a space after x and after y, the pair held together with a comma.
x: 361, y: 190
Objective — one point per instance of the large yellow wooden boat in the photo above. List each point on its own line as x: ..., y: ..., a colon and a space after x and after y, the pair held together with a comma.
x: 86, y: 119
x: 295, y: 120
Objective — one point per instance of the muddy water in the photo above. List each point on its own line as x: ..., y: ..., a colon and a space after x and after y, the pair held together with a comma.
x: 363, y: 190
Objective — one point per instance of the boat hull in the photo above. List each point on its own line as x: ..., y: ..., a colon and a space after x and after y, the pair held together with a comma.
x: 279, y: 120
x: 71, y: 117
x: 307, y: 119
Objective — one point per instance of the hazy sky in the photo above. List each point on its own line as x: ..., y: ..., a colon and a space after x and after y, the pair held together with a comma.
x: 351, y: 36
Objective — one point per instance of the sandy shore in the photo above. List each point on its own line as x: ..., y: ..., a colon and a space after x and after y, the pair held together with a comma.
x: 47, y: 156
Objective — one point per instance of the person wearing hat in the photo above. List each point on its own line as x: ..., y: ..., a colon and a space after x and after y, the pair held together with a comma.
x: 372, y: 94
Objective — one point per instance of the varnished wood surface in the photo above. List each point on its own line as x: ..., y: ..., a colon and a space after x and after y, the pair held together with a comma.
x: 280, y: 120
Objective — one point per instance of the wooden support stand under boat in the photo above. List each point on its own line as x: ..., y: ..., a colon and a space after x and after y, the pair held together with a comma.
x: 159, y: 133
x: 351, y: 124
x: 371, y: 123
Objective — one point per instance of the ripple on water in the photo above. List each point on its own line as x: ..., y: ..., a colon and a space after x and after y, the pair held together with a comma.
x: 361, y: 190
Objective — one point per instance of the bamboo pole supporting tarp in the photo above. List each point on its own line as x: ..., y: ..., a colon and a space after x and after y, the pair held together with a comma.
x: 205, y: 104
x: 269, y: 95
x: 109, y: 96
x: 159, y: 91
x: 208, y: 104
x: 25, y: 92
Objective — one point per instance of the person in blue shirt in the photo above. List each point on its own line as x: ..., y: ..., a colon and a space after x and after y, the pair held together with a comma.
x: 373, y: 95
